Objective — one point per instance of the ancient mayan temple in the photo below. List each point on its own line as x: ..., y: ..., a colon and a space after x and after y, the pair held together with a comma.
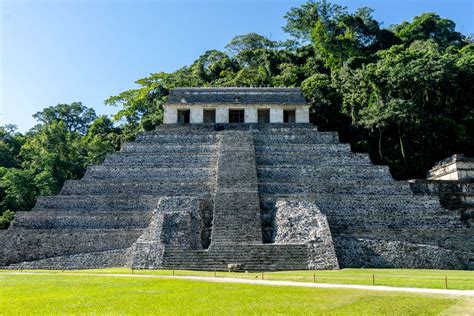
x: 238, y: 176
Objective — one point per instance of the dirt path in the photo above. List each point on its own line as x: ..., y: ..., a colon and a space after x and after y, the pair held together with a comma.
x: 468, y: 293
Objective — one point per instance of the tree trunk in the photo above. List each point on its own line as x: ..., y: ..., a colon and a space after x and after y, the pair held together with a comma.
x: 402, y: 148
x: 380, y: 144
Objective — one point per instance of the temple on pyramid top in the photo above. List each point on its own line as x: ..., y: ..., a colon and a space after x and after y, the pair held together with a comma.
x: 236, y: 105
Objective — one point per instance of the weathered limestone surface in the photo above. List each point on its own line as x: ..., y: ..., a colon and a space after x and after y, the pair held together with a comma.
x: 374, y: 220
x: 456, y: 196
x: 263, y: 197
x: 276, y: 115
x: 302, y: 115
x: 112, y: 206
x: 237, y: 204
x: 93, y: 260
x: 301, y: 222
x: 175, y: 222
x: 456, y: 167
x: 236, y: 95
x: 196, y: 115
x: 251, y: 115
x: 222, y: 115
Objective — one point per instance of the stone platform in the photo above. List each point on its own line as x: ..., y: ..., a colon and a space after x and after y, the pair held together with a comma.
x: 259, y: 196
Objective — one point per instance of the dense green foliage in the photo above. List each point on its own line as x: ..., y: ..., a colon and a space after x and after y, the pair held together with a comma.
x: 69, y: 137
x: 62, y: 293
x: 405, y: 94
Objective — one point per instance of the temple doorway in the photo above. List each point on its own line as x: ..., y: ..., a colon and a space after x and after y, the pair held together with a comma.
x: 263, y: 116
x: 236, y: 116
x: 183, y: 116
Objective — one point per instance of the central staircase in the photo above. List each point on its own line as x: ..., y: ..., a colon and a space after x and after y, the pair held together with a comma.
x: 264, y: 197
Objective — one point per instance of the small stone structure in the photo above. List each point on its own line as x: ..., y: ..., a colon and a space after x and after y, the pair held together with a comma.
x: 456, y: 167
x: 236, y: 105
x: 246, y: 196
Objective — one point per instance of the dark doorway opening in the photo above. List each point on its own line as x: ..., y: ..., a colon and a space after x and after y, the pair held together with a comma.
x: 236, y: 116
x: 183, y: 116
x: 209, y: 116
x: 289, y: 116
x: 263, y: 116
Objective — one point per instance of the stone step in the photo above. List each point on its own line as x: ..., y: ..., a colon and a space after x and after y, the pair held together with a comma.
x: 358, y: 201
x: 322, y: 173
x: 96, y: 202
x: 356, y: 222
x: 308, y: 149
x: 283, y: 127
x: 143, y: 172
x: 159, y: 148
x: 161, y: 159
x: 296, y: 159
x: 236, y: 205
x: 335, y: 187
x: 54, y: 219
x: 177, y: 138
x: 33, y: 244
x: 448, y: 238
x: 159, y: 188
x: 260, y: 257
x: 296, y: 138
x: 288, y: 131
x: 194, y: 128
x: 234, y: 126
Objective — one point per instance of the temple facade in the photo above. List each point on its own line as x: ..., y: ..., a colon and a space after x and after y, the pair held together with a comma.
x: 251, y: 197
x: 236, y: 105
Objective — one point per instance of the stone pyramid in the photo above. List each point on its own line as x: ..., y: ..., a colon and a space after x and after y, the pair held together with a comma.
x: 243, y: 196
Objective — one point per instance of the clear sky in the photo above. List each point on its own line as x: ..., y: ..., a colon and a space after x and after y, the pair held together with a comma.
x: 61, y: 51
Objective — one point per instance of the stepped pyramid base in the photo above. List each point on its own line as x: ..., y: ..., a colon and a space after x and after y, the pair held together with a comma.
x: 253, y: 197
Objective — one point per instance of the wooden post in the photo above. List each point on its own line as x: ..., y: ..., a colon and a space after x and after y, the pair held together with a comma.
x: 173, y: 272
x: 314, y: 277
x: 262, y: 275
x: 446, y: 282
x: 373, y: 279
x: 132, y: 270
x: 215, y: 273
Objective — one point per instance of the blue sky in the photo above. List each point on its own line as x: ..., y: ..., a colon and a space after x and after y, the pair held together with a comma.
x: 61, y: 51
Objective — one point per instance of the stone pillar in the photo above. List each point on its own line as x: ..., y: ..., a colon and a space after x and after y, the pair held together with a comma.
x: 302, y: 114
x: 251, y: 115
x: 196, y: 115
x: 171, y: 115
x: 222, y: 115
x: 276, y: 115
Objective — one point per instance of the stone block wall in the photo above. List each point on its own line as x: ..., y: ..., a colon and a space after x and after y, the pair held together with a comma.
x: 301, y: 222
x: 268, y: 197
x: 112, y: 206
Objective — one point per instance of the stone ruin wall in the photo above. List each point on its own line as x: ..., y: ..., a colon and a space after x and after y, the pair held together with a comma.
x: 313, y: 203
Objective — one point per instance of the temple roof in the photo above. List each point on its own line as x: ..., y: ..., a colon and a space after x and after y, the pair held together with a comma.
x: 236, y: 95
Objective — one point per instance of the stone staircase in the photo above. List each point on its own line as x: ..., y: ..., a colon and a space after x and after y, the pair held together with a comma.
x: 374, y: 220
x: 237, y: 204
x: 266, y: 197
x: 112, y: 205
x: 252, y: 257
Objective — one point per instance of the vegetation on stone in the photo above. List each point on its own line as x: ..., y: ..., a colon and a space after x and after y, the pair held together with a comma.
x: 404, y: 94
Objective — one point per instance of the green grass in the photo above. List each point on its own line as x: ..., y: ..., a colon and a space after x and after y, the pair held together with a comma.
x: 22, y: 294
x: 435, y: 279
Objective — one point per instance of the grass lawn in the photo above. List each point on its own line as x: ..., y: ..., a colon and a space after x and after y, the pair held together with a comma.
x: 435, y: 279
x: 74, y: 294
